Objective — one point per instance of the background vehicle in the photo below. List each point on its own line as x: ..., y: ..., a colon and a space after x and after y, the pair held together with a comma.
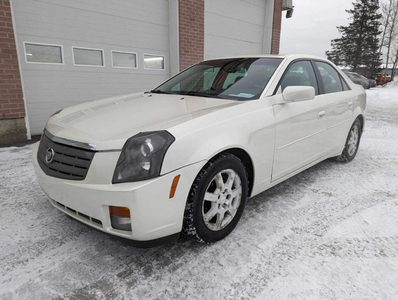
x: 185, y: 156
x: 381, y: 79
x: 359, y: 79
x: 371, y: 82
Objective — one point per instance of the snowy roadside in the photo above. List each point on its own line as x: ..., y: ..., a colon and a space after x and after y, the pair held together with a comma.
x: 330, y: 232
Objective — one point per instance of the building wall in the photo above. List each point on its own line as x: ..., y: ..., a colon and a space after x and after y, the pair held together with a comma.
x: 128, y: 25
x: 276, y: 27
x: 212, y: 29
x: 183, y: 31
x: 191, y: 32
x: 12, y: 110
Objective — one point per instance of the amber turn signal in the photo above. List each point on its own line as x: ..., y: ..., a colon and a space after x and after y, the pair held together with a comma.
x: 119, y: 211
x: 174, y: 186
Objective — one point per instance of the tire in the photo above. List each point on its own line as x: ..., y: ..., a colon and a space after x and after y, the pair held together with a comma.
x: 352, y: 143
x: 216, y: 200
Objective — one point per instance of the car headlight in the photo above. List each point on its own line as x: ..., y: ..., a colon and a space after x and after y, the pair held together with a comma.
x: 142, y: 156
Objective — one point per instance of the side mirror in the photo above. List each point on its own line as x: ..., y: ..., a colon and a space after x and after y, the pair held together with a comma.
x: 298, y: 93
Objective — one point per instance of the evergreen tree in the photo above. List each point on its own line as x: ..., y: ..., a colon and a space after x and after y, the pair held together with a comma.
x: 358, y: 47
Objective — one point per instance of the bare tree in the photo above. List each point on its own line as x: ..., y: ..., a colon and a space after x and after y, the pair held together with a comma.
x: 391, y: 30
x: 394, y: 61
x: 386, y: 10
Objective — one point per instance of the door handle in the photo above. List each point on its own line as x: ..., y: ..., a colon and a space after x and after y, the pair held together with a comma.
x: 349, y: 104
x: 321, y: 114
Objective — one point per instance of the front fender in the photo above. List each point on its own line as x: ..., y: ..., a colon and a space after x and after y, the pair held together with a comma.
x: 250, y: 127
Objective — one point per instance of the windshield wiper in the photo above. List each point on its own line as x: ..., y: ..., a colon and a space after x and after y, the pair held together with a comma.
x: 190, y: 93
x: 160, y: 92
x: 199, y: 94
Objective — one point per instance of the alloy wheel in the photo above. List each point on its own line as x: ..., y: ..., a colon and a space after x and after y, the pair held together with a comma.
x: 222, y: 199
x: 353, y: 140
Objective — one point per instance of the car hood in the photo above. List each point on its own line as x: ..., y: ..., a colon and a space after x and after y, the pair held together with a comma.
x: 108, y: 123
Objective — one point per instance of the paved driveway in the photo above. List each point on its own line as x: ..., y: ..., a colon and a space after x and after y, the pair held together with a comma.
x: 328, y: 233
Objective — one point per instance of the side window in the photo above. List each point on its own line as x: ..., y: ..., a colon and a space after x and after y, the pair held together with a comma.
x: 345, y: 85
x: 330, y: 77
x: 300, y: 73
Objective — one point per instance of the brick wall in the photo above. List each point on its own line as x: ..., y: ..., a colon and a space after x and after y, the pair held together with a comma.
x: 12, y: 109
x: 191, y: 32
x: 276, y: 27
x: 11, y: 98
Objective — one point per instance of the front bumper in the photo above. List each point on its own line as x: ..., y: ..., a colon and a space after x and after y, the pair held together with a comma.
x: 153, y: 214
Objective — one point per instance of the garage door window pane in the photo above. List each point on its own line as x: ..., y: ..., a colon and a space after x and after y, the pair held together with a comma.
x: 124, y: 59
x: 43, y: 54
x: 155, y: 62
x: 88, y: 57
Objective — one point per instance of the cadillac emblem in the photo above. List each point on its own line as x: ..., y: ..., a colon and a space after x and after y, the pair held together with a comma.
x: 49, y: 155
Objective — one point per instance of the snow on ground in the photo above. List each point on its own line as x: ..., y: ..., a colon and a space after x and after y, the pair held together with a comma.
x: 330, y: 232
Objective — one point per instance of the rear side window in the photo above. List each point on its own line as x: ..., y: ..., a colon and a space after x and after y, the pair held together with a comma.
x: 345, y: 86
x: 300, y: 73
x: 330, y: 77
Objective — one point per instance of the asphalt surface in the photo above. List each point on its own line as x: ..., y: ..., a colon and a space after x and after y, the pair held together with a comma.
x: 330, y: 232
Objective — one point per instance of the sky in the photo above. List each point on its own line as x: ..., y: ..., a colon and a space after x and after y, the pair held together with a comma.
x: 313, y: 26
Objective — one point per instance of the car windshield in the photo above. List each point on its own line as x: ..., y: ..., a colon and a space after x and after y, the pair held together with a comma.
x: 235, y: 79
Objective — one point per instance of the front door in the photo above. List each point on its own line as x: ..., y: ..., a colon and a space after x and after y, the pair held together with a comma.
x: 300, y: 126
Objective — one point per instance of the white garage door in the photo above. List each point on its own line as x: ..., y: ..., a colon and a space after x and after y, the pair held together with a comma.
x: 234, y: 27
x: 56, y: 76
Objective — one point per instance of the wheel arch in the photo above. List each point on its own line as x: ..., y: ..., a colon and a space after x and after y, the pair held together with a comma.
x: 361, y: 118
x: 247, y: 162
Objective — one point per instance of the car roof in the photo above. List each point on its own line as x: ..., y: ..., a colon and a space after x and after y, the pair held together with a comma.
x: 283, y: 56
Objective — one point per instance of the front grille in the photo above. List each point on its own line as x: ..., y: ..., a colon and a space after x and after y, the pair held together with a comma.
x: 68, y: 162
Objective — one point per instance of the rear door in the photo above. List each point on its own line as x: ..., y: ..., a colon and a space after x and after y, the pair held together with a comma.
x: 340, y: 108
x: 300, y: 126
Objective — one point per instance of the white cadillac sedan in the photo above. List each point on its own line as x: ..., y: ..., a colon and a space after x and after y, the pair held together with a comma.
x: 184, y: 157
